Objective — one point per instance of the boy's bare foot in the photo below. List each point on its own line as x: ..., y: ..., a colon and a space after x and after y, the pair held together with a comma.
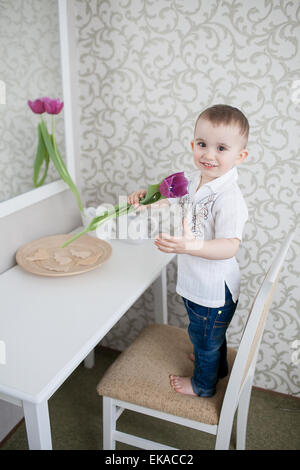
x: 182, y: 385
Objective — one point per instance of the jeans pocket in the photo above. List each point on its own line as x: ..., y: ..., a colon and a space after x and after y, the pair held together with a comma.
x: 219, y: 329
x: 197, y: 311
x: 198, y: 316
x: 222, y: 320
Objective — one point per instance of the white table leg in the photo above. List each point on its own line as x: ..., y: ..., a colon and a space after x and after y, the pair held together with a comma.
x: 37, y: 425
x: 160, y: 297
x: 89, y: 361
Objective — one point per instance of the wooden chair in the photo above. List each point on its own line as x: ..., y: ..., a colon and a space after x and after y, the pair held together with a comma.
x: 139, y: 378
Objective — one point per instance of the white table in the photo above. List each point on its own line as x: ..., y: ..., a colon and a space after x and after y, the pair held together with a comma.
x: 49, y: 325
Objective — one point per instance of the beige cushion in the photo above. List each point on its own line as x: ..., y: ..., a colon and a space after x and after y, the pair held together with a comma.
x: 140, y: 375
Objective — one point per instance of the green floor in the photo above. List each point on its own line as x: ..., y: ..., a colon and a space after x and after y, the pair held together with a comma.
x: 75, y: 414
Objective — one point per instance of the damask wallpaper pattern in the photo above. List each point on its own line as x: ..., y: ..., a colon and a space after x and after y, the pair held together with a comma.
x: 29, y: 69
x: 146, y: 69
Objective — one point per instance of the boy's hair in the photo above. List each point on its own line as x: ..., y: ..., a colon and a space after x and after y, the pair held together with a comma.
x: 227, y: 115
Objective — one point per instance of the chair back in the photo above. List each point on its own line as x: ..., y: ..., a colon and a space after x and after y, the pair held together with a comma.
x: 244, y: 365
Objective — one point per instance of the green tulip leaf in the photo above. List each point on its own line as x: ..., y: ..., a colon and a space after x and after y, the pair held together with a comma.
x: 152, y: 195
x: 41, y: 157
x: 59, y: 164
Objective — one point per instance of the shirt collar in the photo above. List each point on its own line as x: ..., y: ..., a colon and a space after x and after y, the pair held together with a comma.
x: 217, y: 185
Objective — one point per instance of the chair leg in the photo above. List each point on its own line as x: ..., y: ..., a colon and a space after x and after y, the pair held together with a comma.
x: 223, y: 437
x: 224, y: 429
x: 109, y: 423
x: 242, y: 416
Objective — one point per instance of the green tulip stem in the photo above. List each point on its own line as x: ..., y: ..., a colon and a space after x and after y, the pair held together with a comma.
x: 55, y: 149
x: 115, y: 212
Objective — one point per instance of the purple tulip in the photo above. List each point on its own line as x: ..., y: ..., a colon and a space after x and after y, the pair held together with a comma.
x: 174, y: 185
x: 53, y: 106
x: 37, y: 106
x: 46, y: 104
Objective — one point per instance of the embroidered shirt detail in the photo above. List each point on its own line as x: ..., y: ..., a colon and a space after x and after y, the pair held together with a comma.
x: 197, y: 213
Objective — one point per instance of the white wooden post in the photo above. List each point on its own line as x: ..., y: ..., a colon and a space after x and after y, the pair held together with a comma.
x: 242, y: 415
x: 160, y: 298
x: 37, y: 425
x: 109, y: 423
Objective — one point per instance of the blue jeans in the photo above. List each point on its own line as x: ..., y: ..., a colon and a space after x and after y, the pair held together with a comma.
x: 207, y: 331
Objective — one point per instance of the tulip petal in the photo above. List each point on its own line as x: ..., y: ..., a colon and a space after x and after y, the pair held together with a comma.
x: 174, y: 185
x: 52, y: 106
x: 37, y: 106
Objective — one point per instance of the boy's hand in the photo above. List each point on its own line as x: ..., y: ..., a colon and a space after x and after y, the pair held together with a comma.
x: 187, y: 244
x: 134, y: 198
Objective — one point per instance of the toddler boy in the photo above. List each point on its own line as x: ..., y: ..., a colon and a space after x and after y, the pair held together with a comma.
x: 208, y: 274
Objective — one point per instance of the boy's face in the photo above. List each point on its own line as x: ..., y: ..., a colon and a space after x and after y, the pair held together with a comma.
x: 217, y: 149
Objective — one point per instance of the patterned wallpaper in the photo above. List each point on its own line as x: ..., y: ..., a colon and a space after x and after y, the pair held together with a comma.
x: 147, y: 68
x: 29, y: 69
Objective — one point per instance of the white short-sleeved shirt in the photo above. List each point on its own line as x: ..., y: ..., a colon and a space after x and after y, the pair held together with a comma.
x: 216, y: 210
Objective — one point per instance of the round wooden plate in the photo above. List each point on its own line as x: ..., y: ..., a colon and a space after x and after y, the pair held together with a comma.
x: 45, y: 257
